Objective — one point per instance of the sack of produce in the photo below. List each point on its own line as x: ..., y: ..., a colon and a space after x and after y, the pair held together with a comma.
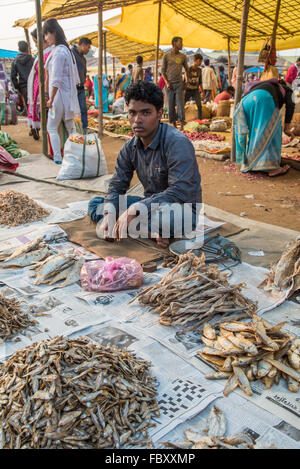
x: 206, y: 112
x: 111, y: 274
x: 191, y: 111
x: 223, y: 108
x: 119, y: 106
x: 83, y: 158
x: 218, y: 126
x: 8, y: 113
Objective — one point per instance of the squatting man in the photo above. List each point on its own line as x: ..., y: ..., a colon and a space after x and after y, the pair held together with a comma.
x: 165, y: 162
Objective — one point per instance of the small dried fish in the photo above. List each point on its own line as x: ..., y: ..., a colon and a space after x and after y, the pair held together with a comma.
x: 17, y: 208
x: 13, y: 320
x: 192, y: 291
x: 54, y: 403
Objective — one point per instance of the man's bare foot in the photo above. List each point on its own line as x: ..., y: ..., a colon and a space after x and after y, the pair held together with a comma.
x: 278, y: 172
x: 162, y: 242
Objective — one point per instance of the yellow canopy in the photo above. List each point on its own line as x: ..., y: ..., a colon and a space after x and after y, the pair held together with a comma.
x: 201, y: 23
x: 209, y: 24
x: 124, y: 49
x: 25, y: 22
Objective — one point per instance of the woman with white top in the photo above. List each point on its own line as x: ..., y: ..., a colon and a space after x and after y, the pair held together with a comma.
x: 63, y: 78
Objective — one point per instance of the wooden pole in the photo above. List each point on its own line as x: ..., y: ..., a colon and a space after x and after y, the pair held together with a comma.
x: 100, y: 68
x: 240, y: 70
x: 114, y: 75
x: 28, y: 40
x: 41, y: 76
x: 105, y: 56
x: 229, y: 61
x: 157, y: 42
x: 276, y: 22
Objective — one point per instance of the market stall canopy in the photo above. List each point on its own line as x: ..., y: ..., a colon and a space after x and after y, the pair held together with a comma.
x: 8, y: 54
x: 25, y: 22
x: 201, y: 23
x: 209, y: 23
x: 122, y: 48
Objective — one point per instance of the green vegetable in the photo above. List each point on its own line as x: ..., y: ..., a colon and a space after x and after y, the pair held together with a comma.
x: 10, y: 145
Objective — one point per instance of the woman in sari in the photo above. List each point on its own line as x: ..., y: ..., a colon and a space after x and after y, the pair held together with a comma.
x: 105, y: 88
x: 33, y: 87
x: 120, y: 80
x: 258, y: 123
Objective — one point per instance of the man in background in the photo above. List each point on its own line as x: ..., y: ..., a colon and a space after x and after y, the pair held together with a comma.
x: 292, y: 73
x: 172, y: 65
x: 194, y: 84
x: 20, y: 70
x: 209, y: 81
x: 79, y: 52
x: 138, y: 72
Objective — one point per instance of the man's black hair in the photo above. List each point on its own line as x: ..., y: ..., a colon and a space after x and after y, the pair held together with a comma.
x: 230, y: 89
x: 123, y: 70
x: 206, y: 62
x: 139, y: 60
x: 175, y: 39
x: 85, y: 40
x: 147, y: 92
x: 221, y: 68
x: 34, y: 33
x: 23, y: 46
x: 198, y: 57
x: 298, y: 60
x: 130, y: 67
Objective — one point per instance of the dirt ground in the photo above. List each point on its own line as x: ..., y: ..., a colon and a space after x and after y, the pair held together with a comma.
x: 270, y: 200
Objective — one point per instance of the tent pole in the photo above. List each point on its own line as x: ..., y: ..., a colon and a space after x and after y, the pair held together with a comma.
x: 157, y: 42
x: 114, y: 75
x: 229, y: 61
x: 41, y: 76
x: 276, y: 22
x: 100, y: 68
x: 27, y: 40
x: 240, y: 70
x: 105, y: 56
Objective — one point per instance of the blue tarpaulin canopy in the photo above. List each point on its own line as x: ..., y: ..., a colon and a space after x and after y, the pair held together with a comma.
x: 6, y: 54
x: 254, y: 70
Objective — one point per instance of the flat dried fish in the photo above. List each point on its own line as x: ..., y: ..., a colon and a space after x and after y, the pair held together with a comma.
x: 55, y: 404
x: 265, y: 353
x: 17, y: 209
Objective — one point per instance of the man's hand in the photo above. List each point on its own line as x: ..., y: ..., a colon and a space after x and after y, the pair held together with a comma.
x: 102, y: 230
x: 50, y: 103
x: 120, y: 229
x: 288, y: 130
x: 169, y: 85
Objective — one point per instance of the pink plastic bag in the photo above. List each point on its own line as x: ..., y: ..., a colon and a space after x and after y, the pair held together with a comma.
x: 111, y: 274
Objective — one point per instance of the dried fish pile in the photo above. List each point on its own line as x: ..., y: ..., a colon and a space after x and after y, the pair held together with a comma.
x: 213, y: 437
x: 60, y: 267
x: 27, y: 254
x: 13, y: 320
x: 192, y: 291
x: 17, y: 208
x: 286, y: 273
x: 257, y: 350
x: 65, y: 393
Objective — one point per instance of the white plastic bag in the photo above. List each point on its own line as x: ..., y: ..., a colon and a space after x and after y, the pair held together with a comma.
x: 83, y: 158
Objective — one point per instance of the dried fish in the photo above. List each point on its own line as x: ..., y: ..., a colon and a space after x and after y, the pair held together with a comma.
x: 17, y: 209
x: 265, y: 353
x: 192, y: 291
x: 13, y: 320
x: 214, y: 436
x: 55, y: 404
x: 57, y: 268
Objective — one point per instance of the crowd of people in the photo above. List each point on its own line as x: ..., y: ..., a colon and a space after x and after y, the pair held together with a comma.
x: 68, y: 85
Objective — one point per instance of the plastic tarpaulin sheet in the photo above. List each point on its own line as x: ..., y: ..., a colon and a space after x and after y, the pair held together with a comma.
x: 187, y: 18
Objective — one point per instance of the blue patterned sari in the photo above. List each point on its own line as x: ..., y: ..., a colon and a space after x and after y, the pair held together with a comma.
x: 258, y: 132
